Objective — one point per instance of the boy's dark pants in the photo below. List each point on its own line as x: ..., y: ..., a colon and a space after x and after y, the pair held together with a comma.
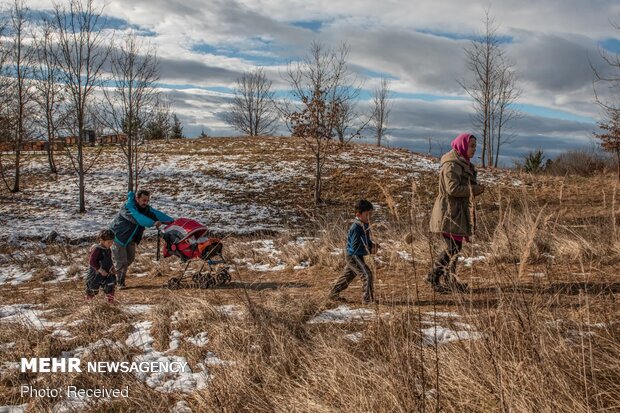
x: 95, y: 281
x: 355, y: 266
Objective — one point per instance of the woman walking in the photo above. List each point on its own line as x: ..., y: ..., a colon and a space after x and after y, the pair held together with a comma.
x: 453, y: 215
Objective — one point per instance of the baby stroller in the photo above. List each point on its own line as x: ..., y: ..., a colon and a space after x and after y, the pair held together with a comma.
x: 188, y: 240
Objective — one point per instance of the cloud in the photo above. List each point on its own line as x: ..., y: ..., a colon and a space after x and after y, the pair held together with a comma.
x: 192, y: 71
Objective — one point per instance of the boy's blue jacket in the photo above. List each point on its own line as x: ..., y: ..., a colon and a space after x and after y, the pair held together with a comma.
x: 131, y: 220
x: 358, y: 240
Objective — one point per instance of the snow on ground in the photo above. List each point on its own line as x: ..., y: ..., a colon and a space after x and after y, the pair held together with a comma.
x: 185, y: 381
x: 444, y: 314
x: 230, y: 310
x: 199, y: 340
x: 344, y: 314
x: 469, y: 261
x: 181, y: 407
x: 14, y: 274
x: 354, y: 337
x: 224, y: 184
x: 26, y: 314
x: 441, y: 335
x: 436, y: 334
x: 14, y: 409
x: 139, y: 308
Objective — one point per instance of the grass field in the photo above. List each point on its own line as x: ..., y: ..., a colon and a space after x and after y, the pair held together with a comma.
x: 537, y: 332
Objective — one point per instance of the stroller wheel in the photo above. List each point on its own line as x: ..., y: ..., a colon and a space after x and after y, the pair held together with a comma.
x: 223, y: 277
x: 174, y: 283
x: 207, y: 281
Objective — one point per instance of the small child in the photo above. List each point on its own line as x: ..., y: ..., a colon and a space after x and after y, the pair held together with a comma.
x: 359, y: 245
x: 101, y: 268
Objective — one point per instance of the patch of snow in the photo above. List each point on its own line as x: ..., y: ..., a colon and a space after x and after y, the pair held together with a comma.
x: 90, y: 348
x: 175, y: 340
x: 184, y: 381
x: 26, y: 314
x: 230, y: 310
x: 266, y: 267
x: 14, y: 409
x: 62, y: 334
x: 213, y: 360
x: 141, y: 337
x: 538, y: 274
x: 302, y: 265
x: 73, y: 404
x: 75, y: 323
x: 181, y: 407
x: 14, y: 275
x: 344, y: 314
x: 445, y: 314
x: 199, y: 340
x: 469, y: 261
x: 139, y: 308
x: 302, y: 241
x: 404, y: 255
x: 8, y: 366
x: 354, y: 337
x: 440, y: 335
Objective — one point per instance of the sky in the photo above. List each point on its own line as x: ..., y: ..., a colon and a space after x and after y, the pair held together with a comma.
x: 204, y: 46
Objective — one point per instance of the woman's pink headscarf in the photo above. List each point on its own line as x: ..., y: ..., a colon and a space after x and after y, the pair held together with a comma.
x: 461, y: 143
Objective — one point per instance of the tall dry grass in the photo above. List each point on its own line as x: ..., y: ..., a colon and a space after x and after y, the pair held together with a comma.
x: 542, y: 344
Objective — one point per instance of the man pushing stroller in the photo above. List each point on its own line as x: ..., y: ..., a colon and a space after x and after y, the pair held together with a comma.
x: 128, y: 226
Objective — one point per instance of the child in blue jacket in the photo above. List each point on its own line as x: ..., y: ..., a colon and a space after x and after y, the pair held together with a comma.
x: 359, y: 244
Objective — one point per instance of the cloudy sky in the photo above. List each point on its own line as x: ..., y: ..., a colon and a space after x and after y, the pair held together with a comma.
x: 204, y: 45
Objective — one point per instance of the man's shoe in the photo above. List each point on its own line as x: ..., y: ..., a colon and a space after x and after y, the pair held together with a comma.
x: 458, y: 287
x: 338, y: 298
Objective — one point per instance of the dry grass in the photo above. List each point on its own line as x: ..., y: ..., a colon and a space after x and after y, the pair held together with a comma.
x: 543, y: 307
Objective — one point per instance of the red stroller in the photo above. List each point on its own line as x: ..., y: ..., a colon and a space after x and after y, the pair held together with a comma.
x: 188, y: 240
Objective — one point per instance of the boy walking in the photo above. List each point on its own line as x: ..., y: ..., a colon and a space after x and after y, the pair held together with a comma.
x: 101, y: 268
x: 359, y: 244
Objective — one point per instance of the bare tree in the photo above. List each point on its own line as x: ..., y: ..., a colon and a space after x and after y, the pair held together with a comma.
x: 318, y: 83
x: 607, y: 77
x: 503, y: 108
x: 6, y: 136
x: 50, y: 91
x: 253, y: 111
x: 83, y: 49
x: 350, y: 118
x: 315, y: 124
x: 381, y: 109
x: 132, y: 100
x: 492, y: 88
x: 21, y: 57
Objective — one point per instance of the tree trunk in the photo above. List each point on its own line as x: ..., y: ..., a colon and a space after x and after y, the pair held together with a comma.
x: 17, y: 166
x: 50, y: 158
x: 129, y: 163
x: 618, y: 157
x: 499, y: 137
x: 317, y: 180
x: 81, y: 183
